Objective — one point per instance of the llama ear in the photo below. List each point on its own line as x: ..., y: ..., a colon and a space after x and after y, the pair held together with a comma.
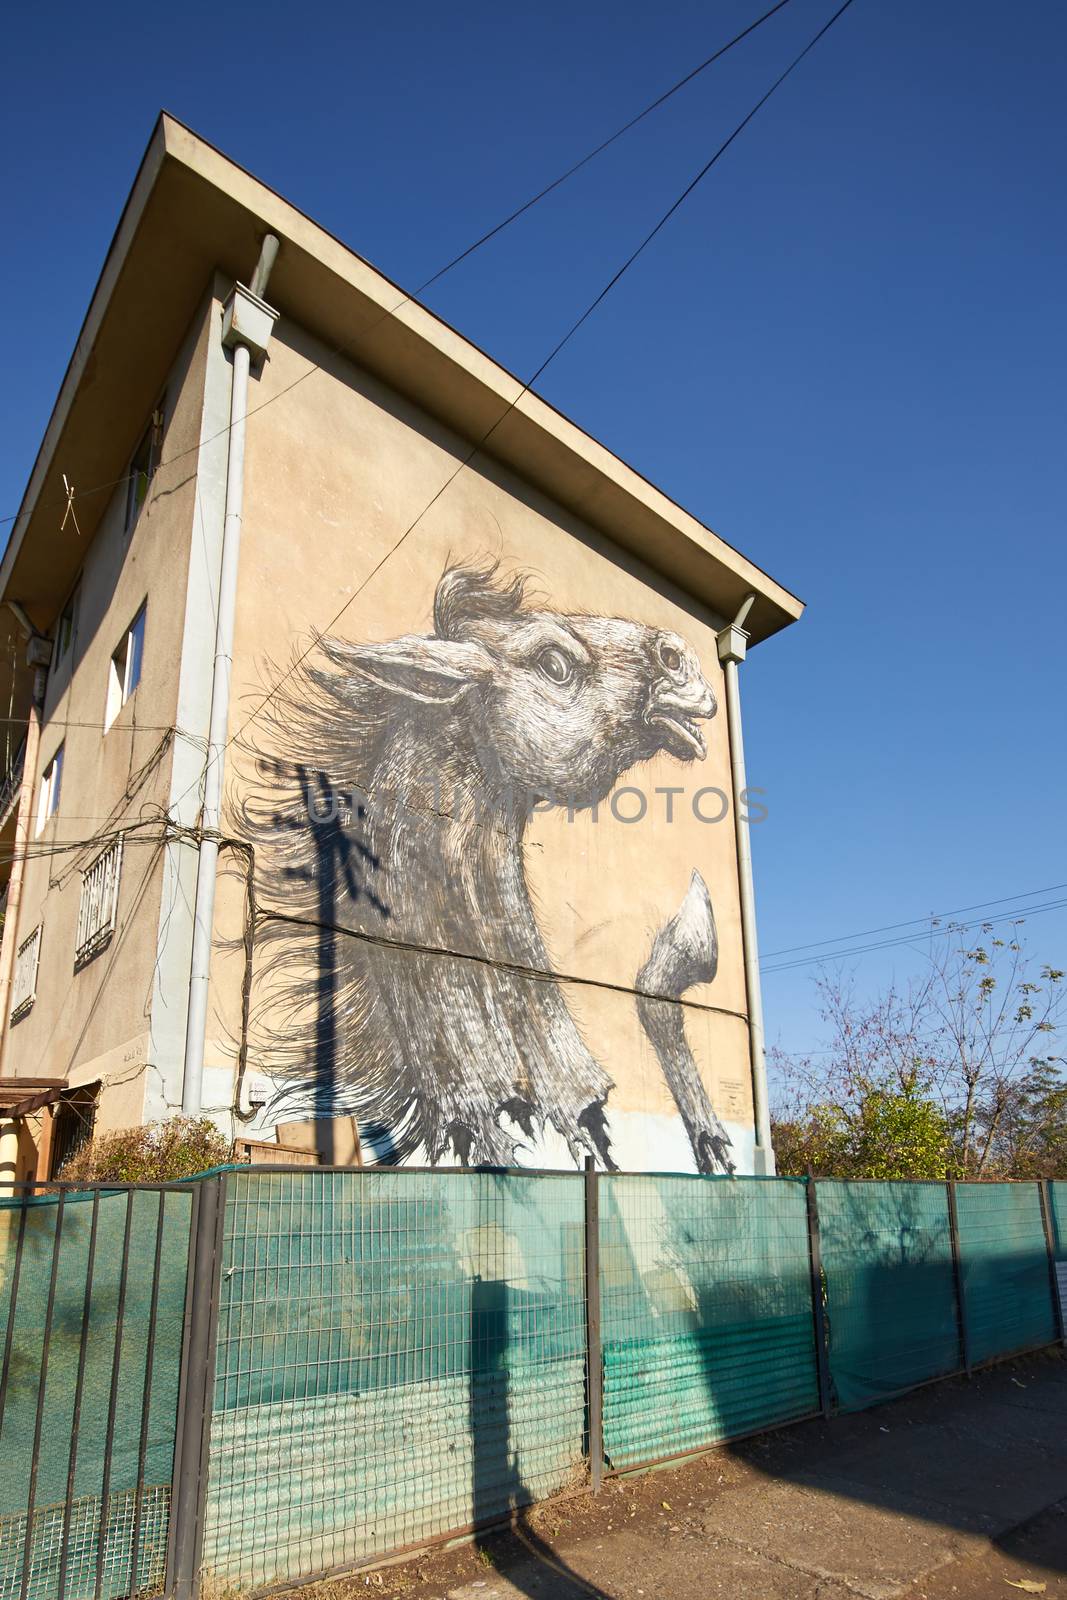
x: 436, y: 671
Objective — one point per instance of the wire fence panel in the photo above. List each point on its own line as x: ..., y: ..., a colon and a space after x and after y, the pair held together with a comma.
x: 1006, y: 1290
x: 400, y: 1355
x: 92, y: 1298
x: 891, y: 1313
x: 706, y: 1311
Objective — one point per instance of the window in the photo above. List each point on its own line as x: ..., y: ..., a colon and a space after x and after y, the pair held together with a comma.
x: 24, y: 982
x: 72, y: 1128
x: 124, y: 673
x: 99, y: 904
x: 65, y: 630
x: 143, y: 467
x: 48, y: 799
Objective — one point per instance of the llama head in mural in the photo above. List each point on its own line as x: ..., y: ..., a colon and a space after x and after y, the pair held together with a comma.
x: 408, y: 982
x: 548, y: 706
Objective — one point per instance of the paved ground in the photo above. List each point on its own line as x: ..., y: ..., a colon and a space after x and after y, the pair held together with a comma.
x: 960, y: 1491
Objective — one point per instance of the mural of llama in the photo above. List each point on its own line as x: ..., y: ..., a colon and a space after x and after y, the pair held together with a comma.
x: 402, y: 976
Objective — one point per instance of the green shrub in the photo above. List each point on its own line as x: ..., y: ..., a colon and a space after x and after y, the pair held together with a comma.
x: 160, y: 1152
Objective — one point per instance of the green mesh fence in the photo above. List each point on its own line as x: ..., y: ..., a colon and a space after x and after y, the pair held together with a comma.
x: 92, y: 1541
x: 1006, y: 1290
x: 891, y: 1312
x: 706, y: 1316
x: 399, y: 1355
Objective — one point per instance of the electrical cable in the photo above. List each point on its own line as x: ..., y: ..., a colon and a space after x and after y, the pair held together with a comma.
x: 889, y: 927
x: 1019, y: 914
x: 471, y: 248
x: 610, y: 140
x: 553, y: 353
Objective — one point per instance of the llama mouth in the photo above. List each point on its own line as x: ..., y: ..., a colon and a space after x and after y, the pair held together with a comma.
x: 679, y: 734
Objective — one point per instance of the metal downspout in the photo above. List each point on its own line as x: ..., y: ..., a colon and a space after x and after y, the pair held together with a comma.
x: 732, y: 641
x: 247, y: 328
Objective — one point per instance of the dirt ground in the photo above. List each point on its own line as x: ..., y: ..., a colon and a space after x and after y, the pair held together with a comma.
x: 958, y: 1491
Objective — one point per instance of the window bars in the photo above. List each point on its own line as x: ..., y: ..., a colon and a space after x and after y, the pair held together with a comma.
x: 98, y: 908
x: 24, y: 983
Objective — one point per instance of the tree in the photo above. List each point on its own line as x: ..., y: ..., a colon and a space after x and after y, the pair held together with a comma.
x: 954, y: 1075
x: 884, y: 1133
x: 993, y: 1023
x: 1024, y: 1127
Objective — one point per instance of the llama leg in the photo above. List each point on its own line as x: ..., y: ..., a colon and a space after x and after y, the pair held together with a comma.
x: 684, y: 952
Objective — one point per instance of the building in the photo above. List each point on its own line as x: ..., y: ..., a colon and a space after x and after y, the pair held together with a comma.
x: 370, y: 760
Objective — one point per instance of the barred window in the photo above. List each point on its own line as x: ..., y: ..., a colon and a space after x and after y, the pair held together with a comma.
x: 24, y: 982
x: 99, y: 904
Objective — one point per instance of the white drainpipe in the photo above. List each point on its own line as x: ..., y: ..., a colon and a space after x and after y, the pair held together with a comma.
x: 731, y: 646
x: 246, y: 329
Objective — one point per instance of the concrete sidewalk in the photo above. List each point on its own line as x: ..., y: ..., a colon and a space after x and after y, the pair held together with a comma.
x: 958, y: 1490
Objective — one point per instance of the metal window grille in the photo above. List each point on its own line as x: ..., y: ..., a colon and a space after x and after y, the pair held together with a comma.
x: 98, y: 909
x: 12, y: 783
x: 24, y: 984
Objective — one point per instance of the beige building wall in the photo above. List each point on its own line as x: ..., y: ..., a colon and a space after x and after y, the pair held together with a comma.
x: 336, y: 539
x: 96, y: 1023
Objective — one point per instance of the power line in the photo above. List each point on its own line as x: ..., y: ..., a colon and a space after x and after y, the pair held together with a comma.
x: 130, y: 727
x: 889, y: 927
x: 553, y: 353
x: 600, y: 148
x: 499, y: 227
x: 1019, y: 913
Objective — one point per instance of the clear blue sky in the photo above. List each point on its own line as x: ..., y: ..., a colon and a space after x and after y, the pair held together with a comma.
x: 846, y: 353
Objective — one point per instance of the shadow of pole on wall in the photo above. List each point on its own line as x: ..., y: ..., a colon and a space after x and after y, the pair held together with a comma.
x: 341, y: 860
x: 332, y: 859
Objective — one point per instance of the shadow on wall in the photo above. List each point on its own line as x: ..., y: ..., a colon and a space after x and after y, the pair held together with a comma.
x: 340, y: 864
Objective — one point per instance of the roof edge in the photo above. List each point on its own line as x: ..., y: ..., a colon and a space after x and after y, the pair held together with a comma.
x: 324, y: 285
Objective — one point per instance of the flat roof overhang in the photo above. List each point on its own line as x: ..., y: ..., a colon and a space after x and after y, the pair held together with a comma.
x: 192, y: 211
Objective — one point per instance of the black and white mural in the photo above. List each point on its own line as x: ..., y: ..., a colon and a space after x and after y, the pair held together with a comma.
x: 402, y: 974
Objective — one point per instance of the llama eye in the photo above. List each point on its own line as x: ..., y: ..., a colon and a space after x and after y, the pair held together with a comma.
x: 670, y: 657
x: 554, y: 664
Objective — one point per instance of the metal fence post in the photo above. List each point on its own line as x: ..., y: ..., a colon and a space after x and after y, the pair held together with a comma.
x: 594, y: 1361
x: 1050, y: 1246
x: 822, y: 1359
x: 957, y: 1277
x: 196, y: 1390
